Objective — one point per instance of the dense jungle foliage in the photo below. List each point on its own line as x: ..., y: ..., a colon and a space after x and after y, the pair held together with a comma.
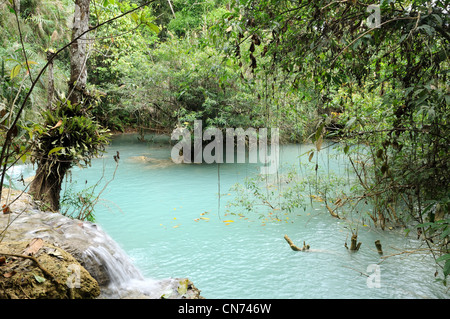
x: 350, y: 72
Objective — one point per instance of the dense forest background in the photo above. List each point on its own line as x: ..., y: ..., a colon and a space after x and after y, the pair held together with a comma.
x: 317, y: 70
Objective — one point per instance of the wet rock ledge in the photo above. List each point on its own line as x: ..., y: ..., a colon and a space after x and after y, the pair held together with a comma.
x: 47, y: 255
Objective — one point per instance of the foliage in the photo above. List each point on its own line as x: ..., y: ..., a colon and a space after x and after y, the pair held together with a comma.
x: 201, y: 87
x: 120, y: 48
x: 68, y: 135
x: 385, y: 87
x: 25, y: 35
x: 80, y: 204
x: 160, y: 84
x: 295, y: 186
x: 181, y: 18
x: 43, y: 25
x: 283, y: 194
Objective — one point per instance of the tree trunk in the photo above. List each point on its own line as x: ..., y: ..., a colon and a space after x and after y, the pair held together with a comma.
x: 78, y: 52
x: 50, y: 81
x: 354, y: 246
x: 379, y: 247
x: 16, y: 4
x: 46, y: 185
x: 294, y: 247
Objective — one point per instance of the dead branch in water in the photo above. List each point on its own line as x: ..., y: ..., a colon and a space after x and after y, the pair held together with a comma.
x: 355, y: 245
x: 294, y: 247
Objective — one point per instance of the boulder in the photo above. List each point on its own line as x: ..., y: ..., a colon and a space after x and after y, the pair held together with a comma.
x: 92, y: 248
x: 48, y: 273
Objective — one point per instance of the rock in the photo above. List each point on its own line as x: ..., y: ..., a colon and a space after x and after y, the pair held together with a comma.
x: 83, y: 240
x: 157, y: 289
x: 151, y: 162
x: 90, y: 246
x: 22, y: 278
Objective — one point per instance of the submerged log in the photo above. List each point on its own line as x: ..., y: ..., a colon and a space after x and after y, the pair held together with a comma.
x: 354, y: 245
x: 294, y: 247
x: 379, y: 248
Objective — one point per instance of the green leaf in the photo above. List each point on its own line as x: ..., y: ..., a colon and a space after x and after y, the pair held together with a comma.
x: 29, y: 63
x: 447, y: 268
x: 424, y: 225
x: 319, y: 131
x: 15, y: 71
x: 135, y: 17
x: 153, y: 27
x: 428, y: 29
x: 56, y: 149
x: 346, y: 149
x: 445, y: 233
x: 39, y: 279
x: 438, y: 19
x: 443, y: 257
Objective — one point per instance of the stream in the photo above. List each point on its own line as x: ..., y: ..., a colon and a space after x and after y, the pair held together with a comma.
x: 171, y: 221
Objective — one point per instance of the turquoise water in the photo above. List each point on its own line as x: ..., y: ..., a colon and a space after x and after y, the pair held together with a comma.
x: 171, y: 222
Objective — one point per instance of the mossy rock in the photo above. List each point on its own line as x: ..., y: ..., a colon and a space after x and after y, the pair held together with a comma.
x: 63, y: 278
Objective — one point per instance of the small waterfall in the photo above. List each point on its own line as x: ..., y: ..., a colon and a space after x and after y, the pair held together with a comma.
x: 102, y: 257
x: 116, y: 269
x: 120, y: 270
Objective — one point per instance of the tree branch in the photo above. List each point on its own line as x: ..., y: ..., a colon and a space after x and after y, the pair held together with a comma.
x: 9, y: 133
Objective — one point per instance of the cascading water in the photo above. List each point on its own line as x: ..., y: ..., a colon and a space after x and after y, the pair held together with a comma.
x: 96, y: 251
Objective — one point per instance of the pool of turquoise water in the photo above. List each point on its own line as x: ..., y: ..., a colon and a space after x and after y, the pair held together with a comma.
x: 170, y: 220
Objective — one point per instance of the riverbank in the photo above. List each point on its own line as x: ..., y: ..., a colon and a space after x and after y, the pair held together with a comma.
x: 47, y: 255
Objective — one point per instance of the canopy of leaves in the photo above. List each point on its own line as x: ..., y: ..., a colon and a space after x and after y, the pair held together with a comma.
x: 379, y: 76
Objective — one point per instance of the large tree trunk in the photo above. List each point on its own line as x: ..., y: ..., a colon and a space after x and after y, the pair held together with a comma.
x: 50, y: 81
x: 46, y: 187
x: 78, y: 51
x: 16, y: 4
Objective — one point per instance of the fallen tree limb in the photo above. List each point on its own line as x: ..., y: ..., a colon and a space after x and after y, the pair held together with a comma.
x: 332, y: 212
x: 362, y: 273
x: 294, y: 247
x: 45, y: 271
